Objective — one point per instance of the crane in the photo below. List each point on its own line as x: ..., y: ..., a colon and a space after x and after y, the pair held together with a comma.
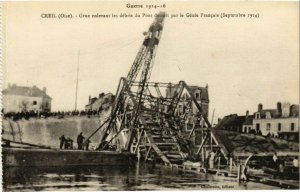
x: 142, y: 64
x: 144, y: 121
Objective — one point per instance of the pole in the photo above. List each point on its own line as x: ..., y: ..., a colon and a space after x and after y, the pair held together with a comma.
x: 77, y: 80
x: 212, y: 118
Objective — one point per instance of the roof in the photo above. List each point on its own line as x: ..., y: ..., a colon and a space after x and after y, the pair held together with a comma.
x: 274, y: 113
x: 238, y: 121
x: 232, y: 120
x: 224, y: 120
x: 103, y: 99
x: 25, y: 91
x: 204, y: 92
x: 249, y: 120
x: 294, y: 112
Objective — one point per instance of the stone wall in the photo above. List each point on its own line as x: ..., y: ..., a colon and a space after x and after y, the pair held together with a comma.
x: 48, y: 131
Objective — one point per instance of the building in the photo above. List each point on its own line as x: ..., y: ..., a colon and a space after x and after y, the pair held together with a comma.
x: 20, y: 98
x: 248, y: 123
x: 235, y: 122
x: 200, y: 93
x: 102, y: 102
x: 282, y: 122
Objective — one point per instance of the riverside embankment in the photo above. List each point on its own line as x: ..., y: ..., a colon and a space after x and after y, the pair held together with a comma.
x: 47, y: 131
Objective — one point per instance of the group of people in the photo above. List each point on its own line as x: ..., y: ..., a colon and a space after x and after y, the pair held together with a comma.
x: 279, y: 164
x: 68, y: 143
x: 45, y: 114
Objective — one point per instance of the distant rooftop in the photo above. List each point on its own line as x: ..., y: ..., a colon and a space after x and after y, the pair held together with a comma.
x: 276, y: 113
x: 33, y: 91
x: 204, y: 92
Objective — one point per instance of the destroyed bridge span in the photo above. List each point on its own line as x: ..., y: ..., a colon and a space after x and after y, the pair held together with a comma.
x: 145, y: 122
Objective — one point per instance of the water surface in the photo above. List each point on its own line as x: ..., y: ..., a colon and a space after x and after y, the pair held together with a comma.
x: 93, y: 178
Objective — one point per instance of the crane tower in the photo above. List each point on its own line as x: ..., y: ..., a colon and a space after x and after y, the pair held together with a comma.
x: 142, y: 119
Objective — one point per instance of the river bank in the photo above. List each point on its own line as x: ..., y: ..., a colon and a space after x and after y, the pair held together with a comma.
x: 47, y: 131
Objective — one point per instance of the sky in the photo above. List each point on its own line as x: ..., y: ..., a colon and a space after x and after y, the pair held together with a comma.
x: 244, y: 61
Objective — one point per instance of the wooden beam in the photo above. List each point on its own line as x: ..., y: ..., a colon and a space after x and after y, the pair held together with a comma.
x: 138, y: 141
x: 202, y: 144
x: 28, y: 144
x: 148, y: 152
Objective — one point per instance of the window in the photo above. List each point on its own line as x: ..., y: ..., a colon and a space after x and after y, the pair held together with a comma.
x: 268, y: 126
x: 180, y: 109
x: 257, y: 126
x: 46, y: 104
x: 292, y: 126
x: 34, y: 103
x: 257, y: 116
x: 279, y: 126
x: 197, y: 95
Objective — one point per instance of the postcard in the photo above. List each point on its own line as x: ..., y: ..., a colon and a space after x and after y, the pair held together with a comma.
x: 149, y: 95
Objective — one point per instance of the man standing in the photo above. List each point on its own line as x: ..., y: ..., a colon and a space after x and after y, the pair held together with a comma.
x: 62, y: 141
x: 295, y: 162
x: 211, y: 159
x: 70, y: 141
x: 275, y: 159
x: 87, y: 144
x: 80, y: 139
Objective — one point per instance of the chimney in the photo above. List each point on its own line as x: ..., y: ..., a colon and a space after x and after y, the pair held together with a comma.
x: 247, y: 114
x: 89, y: 99
x: 260, y: 107
x: 286, y: 109
x: 279, y: 109
x: 44, y: 89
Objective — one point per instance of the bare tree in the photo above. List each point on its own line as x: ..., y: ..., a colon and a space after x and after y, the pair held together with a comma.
x: 24, y: 105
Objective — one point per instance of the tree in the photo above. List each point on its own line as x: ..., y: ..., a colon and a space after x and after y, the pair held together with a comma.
x: 24, y: 105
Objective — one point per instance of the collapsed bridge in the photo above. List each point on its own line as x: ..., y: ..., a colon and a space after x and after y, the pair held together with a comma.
x: 148, y: 123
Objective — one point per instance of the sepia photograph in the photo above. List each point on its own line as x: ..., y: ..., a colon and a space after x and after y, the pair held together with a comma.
x: 149, y: 95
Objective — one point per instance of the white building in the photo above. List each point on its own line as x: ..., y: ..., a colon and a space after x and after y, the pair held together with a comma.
x: 20, y: 98
x: 282, y: 122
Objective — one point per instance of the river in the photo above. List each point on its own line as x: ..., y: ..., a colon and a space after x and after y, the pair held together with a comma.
x: 138, y: 177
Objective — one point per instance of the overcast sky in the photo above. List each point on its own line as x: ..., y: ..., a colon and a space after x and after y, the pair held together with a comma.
x: 244, y: 61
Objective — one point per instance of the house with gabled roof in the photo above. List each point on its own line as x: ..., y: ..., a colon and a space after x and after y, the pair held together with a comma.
x: 22, y: 98
x: 200, y: 93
